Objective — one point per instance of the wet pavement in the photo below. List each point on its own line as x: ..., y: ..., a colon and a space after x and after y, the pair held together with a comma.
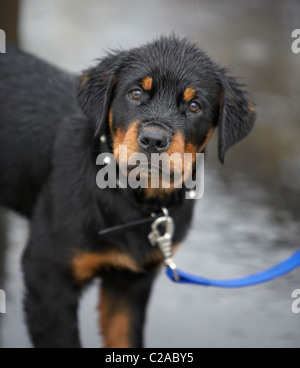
x: 249, y: 217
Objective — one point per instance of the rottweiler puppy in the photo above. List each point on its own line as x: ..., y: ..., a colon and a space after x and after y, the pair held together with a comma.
x: 167, y: 96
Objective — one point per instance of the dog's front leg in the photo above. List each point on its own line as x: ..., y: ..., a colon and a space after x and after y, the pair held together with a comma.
x: 51, y: 300
x: 124, y: 298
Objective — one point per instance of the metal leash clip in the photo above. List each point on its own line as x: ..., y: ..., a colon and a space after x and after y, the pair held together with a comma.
x: 164, y: 241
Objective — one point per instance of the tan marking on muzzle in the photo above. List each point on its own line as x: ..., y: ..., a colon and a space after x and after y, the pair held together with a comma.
x: 194, y: 149
x: 127, y: 138
x: 176, y: 165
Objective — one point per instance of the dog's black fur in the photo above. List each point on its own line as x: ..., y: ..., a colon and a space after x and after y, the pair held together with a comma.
x: 50, y: 128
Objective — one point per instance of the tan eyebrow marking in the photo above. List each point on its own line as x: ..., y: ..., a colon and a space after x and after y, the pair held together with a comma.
x: 147, y: 83
x: 189, y: 94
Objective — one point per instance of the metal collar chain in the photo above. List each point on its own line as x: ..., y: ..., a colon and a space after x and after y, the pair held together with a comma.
x: 163, y: 229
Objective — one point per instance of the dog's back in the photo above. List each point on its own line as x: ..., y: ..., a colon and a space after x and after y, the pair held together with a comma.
x: 29, y: 89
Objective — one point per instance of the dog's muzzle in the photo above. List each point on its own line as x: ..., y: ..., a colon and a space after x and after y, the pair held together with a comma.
x: 154, y: 140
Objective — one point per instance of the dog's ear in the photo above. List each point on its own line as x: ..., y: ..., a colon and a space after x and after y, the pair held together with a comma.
x: 95, y: 86
x: 237, y: 115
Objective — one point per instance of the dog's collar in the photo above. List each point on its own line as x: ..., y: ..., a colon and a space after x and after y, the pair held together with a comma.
x: 119, y: 229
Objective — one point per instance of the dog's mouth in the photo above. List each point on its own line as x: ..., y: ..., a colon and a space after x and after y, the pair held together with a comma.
x: 156, y: 171
x: 151, y: 170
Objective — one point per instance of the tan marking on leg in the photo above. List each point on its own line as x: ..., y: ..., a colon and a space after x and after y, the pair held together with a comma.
x: 85, y: 265
x: 114, y: 322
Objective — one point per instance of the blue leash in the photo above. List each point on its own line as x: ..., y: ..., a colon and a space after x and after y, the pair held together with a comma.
x: 164, y: 241
x: 272, y: 273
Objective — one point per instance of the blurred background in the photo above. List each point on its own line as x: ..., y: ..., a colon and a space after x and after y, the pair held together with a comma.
x: 249, y: 217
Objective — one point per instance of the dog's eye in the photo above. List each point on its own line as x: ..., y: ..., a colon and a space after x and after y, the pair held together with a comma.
x: 135, y: 94
x: 194, y: 107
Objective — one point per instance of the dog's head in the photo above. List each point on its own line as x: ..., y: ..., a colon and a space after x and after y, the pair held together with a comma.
x: 167, y: 96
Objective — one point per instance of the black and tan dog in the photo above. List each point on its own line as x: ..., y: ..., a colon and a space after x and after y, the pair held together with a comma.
x: 166, y: 96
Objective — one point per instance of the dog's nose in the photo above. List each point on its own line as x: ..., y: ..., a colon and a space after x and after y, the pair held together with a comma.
x: 154, y: 141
